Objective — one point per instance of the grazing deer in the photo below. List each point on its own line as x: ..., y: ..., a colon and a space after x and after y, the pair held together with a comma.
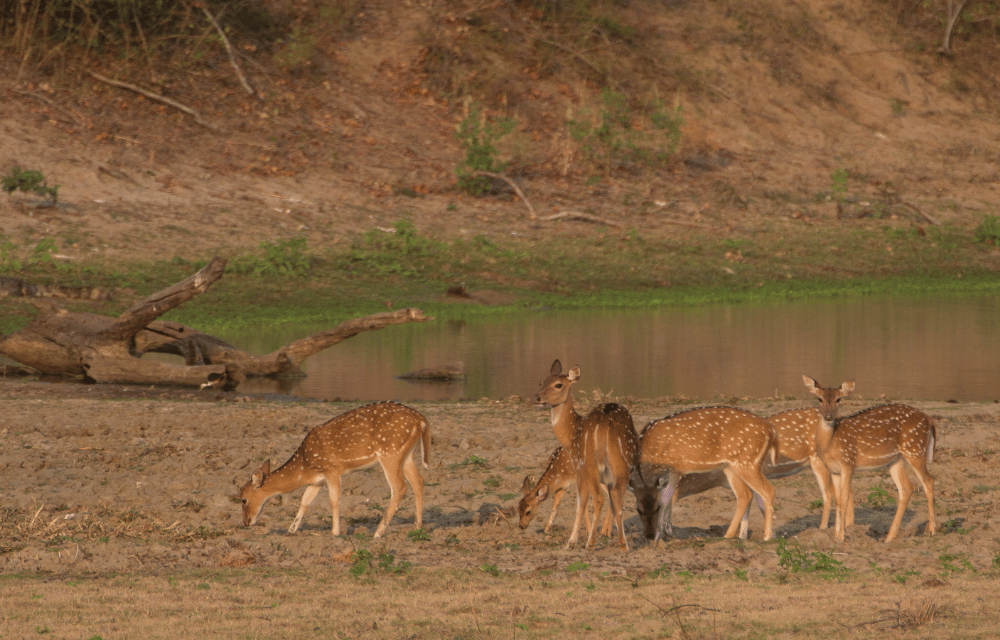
x: 885, y: 435
x: 603, y: 447
x: 558, y: 476
x: 385, y: 432
x: 796, y: 431
x: 704, y: 442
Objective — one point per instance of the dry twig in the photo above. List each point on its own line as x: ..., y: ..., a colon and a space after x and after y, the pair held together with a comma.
x: 229, y: 50
x: 155, y: 96
x: 513, y: 185
x: 579, y: 215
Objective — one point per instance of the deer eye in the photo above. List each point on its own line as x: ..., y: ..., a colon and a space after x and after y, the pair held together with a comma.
x: 558, y: 385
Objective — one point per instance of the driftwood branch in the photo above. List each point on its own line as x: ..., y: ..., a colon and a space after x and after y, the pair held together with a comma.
x: 513, y: 185
x: 142, y: 313
x: 229, y: 50
x: 107, y: 349
x: 579, y: 215
x: 152, y: 95
x: 295, y: 353
x: 926, y: 216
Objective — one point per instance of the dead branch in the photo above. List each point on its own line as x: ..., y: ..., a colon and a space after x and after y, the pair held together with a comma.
x: 513, y: 185
x: 152, y: 95
x: 926, y: 216
x: 579, y: 215
x: 142, y: 313
x: 69, y: 112
x: 229, y: 50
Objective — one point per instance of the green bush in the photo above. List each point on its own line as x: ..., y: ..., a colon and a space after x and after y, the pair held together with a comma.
x: 30, y: 182
x: 284, y: 257
x: 479, y: 136
x: 988, y: 230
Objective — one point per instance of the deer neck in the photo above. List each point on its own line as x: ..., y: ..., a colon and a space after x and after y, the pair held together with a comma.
x: 565, y: 422
x: 287, y: 477
x: 824, y: 436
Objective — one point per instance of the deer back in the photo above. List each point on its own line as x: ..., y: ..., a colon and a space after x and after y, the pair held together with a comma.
x: 879, y: 435
x: 607, y: 440
x: 707, y: 438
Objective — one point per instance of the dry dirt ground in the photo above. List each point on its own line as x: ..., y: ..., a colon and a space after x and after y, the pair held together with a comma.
x: 359, y: 141
x: 102, y: 484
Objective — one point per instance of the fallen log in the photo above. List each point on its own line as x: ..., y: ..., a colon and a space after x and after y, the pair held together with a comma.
x: 106, y: 349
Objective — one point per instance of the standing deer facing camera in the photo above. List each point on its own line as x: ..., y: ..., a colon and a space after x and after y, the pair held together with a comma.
x: 385, y: 432
x: 886, y: 435
x: 603, y: 447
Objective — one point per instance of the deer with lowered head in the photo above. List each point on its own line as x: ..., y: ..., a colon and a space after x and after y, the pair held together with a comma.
x: 386, y: 433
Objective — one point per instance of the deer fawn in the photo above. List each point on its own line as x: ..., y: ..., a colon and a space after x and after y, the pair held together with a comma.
x: 705, y: 441
x: 886, y: 435
x: 558, y: 476
x: 603, y: 447
x: 385, y: 432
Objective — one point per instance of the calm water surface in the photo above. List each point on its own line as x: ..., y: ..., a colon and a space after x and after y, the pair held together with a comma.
x: 918, y: 348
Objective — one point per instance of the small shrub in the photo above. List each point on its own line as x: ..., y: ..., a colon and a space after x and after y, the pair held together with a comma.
x: 988, y: 231
x: 419, y: 535
x: 490, y: 569
x: 479, y: 136
x: 797, y: 560
x: 29, y: 182
x: 284, y: 257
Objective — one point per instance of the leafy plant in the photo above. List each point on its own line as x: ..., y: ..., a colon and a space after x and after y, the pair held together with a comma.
x: 577, y: 566
x: 955, y: 563
x: 839, y: 183
x: 490, y: 569
x: 612, y: 138
x: 479, y: 137
x: 284, y: 257
x: 988, y: 230
x: 29, y: 182
x: 797, y: 560
x: 419, y: 535
x: 364, y: 561
x: 878, y: 497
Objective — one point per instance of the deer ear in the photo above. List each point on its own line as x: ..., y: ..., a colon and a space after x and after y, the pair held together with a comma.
x: 556, y: 368
x: 526, y: 487
x: 542, y: 492
x: 847, y: 388
x: 258, y: 476
x: 574, y: 373
x: 811, y: 384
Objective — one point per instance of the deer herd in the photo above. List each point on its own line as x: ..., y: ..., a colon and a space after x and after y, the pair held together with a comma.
x: 603, y: 456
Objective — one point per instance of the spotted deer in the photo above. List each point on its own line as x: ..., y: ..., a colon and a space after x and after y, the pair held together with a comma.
x: 703, y: 442
x: 558, y: 476
x: 385, y: 432
x: 796, y: 432
x: 603, y: 447
x: 885, y: 435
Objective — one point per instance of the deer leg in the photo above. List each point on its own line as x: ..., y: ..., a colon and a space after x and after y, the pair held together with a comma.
x: 825, y: 486
x: 845, y: 501
x: 743, y: 497
x: 417, y: 482
x: 761, y: 487
x: 666, y: 502
x: 307, y: 497
x: 393, y: 470
x: 905, y: 488
x: 592, y: 525
x: 616, y: 496
x: 556, y: 499
x: 927, y: 481
x: 582, y: 498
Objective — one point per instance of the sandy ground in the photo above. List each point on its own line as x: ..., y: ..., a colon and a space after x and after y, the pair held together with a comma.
x: 97, y: 479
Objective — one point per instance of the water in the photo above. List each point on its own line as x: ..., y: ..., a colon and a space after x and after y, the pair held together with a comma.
x: 917, y: 348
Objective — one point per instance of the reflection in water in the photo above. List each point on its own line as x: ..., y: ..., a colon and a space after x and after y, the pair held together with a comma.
x: 928, y: 348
